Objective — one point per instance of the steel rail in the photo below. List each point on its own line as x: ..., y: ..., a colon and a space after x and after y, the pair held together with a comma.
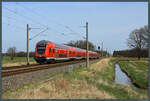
x: 28, y: 69
x: 31, y: 65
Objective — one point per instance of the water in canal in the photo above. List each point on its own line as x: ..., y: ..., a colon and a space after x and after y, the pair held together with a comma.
x: 121, y: 78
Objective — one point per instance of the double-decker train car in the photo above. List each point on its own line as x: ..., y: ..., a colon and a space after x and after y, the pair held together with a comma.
x: 47, y: 52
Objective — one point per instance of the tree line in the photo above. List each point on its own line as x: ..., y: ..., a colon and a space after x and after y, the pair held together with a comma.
x: 19, y: 54
x: 82, y: 44
x: 11, y: 52
x: 131, y: 53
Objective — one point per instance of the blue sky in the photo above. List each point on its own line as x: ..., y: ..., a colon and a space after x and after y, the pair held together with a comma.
x: 109, y: 22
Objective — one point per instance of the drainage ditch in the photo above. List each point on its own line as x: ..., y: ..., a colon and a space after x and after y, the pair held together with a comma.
x: 121, y: 78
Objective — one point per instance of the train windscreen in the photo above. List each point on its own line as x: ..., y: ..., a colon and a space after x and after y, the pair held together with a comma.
x: 41, y: 50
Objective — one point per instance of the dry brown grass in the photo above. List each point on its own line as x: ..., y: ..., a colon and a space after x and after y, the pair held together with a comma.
x: 86, y: 73
x: 101, y: 65
x: 16, y: 64
x: 61, y: 88
x: 132, y: 92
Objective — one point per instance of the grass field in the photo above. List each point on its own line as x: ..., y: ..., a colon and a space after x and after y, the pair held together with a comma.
x: 96, y: 82
x: 17, y: 61
x: 137, y: 70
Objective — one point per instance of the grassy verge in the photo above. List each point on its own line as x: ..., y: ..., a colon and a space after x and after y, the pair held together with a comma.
x: 103, y: 79
x: 137, y: 70
x: 96, y: 82
x: 17, y: 61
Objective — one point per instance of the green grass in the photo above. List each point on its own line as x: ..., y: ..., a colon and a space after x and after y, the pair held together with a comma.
x: 107, y: 74
x: 6, y: 59
x: 17, y: 61
x: 138, y: 71
x: 118, y: 92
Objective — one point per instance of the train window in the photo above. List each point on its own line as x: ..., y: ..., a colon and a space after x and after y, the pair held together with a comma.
x: 40, y: 51
x: 54, y: 50
x: 49, y: 49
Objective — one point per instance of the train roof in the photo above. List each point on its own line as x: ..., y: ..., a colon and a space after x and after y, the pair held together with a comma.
x: 57, y: 45
x: 62, y: 46
x: 43, y: 42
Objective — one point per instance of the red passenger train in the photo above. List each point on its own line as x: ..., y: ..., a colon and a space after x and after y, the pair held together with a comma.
x: 47, y: 52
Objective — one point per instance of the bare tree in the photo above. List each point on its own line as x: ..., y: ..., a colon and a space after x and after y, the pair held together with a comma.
x: 11, y: 51
x: 136, y: 40
x: 145, y: 35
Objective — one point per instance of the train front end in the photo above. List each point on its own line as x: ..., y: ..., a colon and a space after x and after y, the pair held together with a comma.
x: 40, y: 52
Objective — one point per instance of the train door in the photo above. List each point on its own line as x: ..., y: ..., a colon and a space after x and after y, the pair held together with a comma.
x: 56, y: 53
x: 50, y: 52
x: 53, y: 52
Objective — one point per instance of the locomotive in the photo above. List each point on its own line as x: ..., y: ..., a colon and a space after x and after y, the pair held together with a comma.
x: 49, y: 52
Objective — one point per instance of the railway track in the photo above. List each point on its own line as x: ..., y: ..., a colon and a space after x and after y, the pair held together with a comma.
x: 16, y: 70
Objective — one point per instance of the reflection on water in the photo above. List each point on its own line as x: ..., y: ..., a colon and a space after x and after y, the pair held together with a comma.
x: 121, y: 77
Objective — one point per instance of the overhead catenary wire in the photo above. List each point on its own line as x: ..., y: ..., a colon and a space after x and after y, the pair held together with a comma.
x: 12, y: 18
x: 23, y: 16
x: 17, y: 21
x: 36, y: 13
x: 65, y: 26
x: 18, y: 27
x: 42, y: 17
x: 58, y: 36
x: 39, y: 33
x: 64, y: 34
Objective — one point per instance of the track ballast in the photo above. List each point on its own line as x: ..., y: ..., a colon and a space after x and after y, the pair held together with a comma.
x: 10, y: 71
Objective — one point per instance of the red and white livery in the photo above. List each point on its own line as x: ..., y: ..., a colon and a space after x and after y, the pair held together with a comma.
x: 47, y: 52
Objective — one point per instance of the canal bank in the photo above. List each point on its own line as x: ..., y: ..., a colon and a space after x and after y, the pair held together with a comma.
x: 128, y: 80
x: 121, y: 77
x: 137, y: 71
